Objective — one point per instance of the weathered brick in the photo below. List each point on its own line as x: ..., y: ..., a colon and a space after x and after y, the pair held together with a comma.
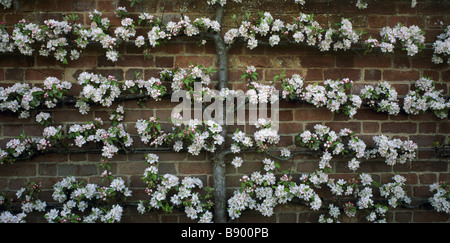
x: 318, y: 61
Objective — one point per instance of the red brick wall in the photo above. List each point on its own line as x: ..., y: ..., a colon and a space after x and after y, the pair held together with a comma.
x: 398, y: 69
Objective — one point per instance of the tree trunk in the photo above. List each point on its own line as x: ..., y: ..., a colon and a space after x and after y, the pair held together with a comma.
x: 218, y: 158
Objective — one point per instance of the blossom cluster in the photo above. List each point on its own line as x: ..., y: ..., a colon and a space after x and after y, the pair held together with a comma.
x: 393, y: 150
x: 292, y: 87
x: 105, y: 90
x: 127, y: 28
x: 67, y: 39
x: 261, y: 191
x: 21, y: 98
x: 63, y: 39
x: 336, y: 96
x: 240, y: 140
x: 169, y: 191
x: 258, y: 93
x: 112, y: 138
x: 410, y: 38
x: 187, y: 79
x: 333, y: 96
x: 303, y: 29
x: 198, y: 138
x: 382, y: 98
x: 24, y: 146
x: 6, y: 45
x: 192, y: 135
x: 441, y: 47
x: 395, y: 191
x: 441, y: 197
x: 161, y: 32
x: 152, y: 87
x: 426, y: 97
x: 361, y: 189
x: 6, y: 3
x: 150, y: 131
x: 28, y: 197
x: 91, y: 200
x: 265, y: 135
x: 332, y: 143
x: 261, y: 93
x: 96, y: 89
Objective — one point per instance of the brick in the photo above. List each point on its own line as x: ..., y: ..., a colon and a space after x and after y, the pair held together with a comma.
x: 318, y: 61
x: 131, y: 168
x: 372, y: 74
x: 406, y: 20
x: 50, y: 158
x: 134, y: 61
x: 166, y: 62
x: 377, y: 21
x: 398, y: 127
x: 314, y: 74
x: 47, y: 170
x: 16, y: 61
x: 427, y: 178
x: 429, y: 216
x: 317, y: 114
x: 371, y: 127
x: 186, y: 61
x: 427, y: 127
x: 19, y: 169
x: 337, y: 126
x: 287, y: 218
x: 403, y: 217
x: 390, y: 75
x: 289, y: 128
x: 426, y: 141
x: 402, y: 62
x: 108, y: 6
x: 444, y: 127
x: 195, y: 168
x: 353, y: 74
x: 79, y: 170
x: 16, y: 74
x: 257, y: 61
x: 83, y: 62
x: 436, y: 21
x: 285, y: 115
x: 369, y: 114
x: 42, y: 74
x: 169, y: 48
x: 372, y: 61
x: 12, y: 130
